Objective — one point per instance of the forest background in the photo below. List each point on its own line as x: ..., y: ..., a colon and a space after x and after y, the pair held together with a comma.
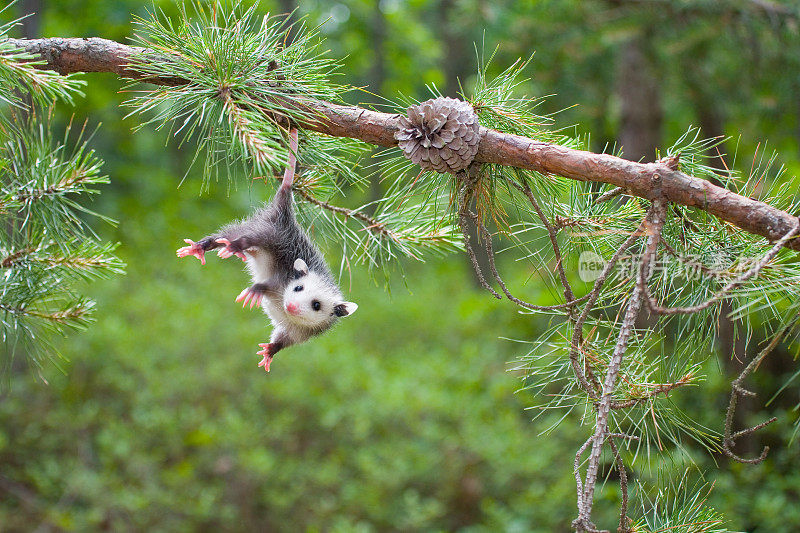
x: 404, y: 417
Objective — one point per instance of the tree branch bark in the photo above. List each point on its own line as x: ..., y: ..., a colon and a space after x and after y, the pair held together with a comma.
x: 70, y: 55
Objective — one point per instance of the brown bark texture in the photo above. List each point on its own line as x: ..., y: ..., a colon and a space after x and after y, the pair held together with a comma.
x: 645, y: 180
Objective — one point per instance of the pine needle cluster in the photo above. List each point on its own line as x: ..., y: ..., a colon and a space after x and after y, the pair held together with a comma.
x: 244, y: 82
x: 679, y: 506
x: 246, y: 79
x: 47, y: 248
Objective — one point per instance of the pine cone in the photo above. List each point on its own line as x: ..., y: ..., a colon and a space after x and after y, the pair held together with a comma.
x: 440, y: 134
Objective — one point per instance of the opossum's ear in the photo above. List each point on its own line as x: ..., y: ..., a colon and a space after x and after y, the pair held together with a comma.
x: 345, y: 308
x: 300, y: 266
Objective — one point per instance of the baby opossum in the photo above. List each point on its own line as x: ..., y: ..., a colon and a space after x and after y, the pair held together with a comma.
x: 291, y: 280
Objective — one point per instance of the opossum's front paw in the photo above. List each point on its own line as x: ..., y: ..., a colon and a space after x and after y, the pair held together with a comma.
x: 229, y: 250
x: 268, y: 353
x: 194, y: 249
x: 250, y: 295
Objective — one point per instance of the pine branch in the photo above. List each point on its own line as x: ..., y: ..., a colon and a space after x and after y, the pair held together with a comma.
x: 15, y: 257
x: 608, y: 195
x: 753, y: 271
x: 69, y: 55
x: 371, y: 224
x: 654, y: 224
x: 624, y: 526
x: 65, y: 185
x: 72, y: 55
x: 576, y: 345
x: 48, y: 244
x: 382, y: 231
x: 262, y: 155
x: 72, y: 314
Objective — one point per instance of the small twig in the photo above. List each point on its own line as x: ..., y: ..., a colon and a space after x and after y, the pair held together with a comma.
x: 15, y: 257
x: 587, y: 368
x: 729, y: 438
x: 372, y: 224
x: 672, y: 162
x: 624, y: 436
x: 487, y: 242
x: 588, y: 525
x: 553, y: 233
x: 465, y: 183
x: 59, y: 317
x: 604, y: 407
x: 608, y: 195
x: 754, y: 428
x: 465, y: 215
x: 77, y: 177
x: 560, y: 222
x: 577, y: 472
x: 754, y: 270
x: 467, y: 180
x: 665, y: 388
x: 474, y: 260
x: 623, y: 485
x: 687, y: 260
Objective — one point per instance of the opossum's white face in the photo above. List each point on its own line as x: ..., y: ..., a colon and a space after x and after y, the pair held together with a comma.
x: 312, y: 302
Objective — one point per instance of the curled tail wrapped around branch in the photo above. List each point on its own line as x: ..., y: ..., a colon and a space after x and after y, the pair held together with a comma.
x: 288, y: 174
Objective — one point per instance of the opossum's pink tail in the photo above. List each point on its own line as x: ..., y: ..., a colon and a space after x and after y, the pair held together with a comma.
x: 288, y: 175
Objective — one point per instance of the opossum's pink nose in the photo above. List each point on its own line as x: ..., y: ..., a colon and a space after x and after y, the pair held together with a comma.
x: 292, y: 308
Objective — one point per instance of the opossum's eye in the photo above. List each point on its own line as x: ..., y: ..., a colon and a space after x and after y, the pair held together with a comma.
x: 298, y: 288
x: 315, y: 305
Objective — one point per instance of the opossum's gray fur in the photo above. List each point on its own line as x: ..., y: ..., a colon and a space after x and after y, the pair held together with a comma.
x: 274, y: 229
x: 291, y: 280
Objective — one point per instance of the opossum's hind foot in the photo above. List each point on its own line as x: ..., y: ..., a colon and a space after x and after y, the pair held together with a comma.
x: 268, y: 353
x: 230, y: 250
x: 251, y: 296
x: 194, y: 248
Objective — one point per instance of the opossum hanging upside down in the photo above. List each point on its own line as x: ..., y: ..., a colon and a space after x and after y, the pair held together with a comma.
x: 291, y: 280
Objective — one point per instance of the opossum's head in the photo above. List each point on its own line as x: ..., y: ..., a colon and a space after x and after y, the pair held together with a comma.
x: 313, y: 301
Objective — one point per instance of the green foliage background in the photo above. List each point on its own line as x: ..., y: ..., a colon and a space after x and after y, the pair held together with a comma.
x: 404, y: 417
